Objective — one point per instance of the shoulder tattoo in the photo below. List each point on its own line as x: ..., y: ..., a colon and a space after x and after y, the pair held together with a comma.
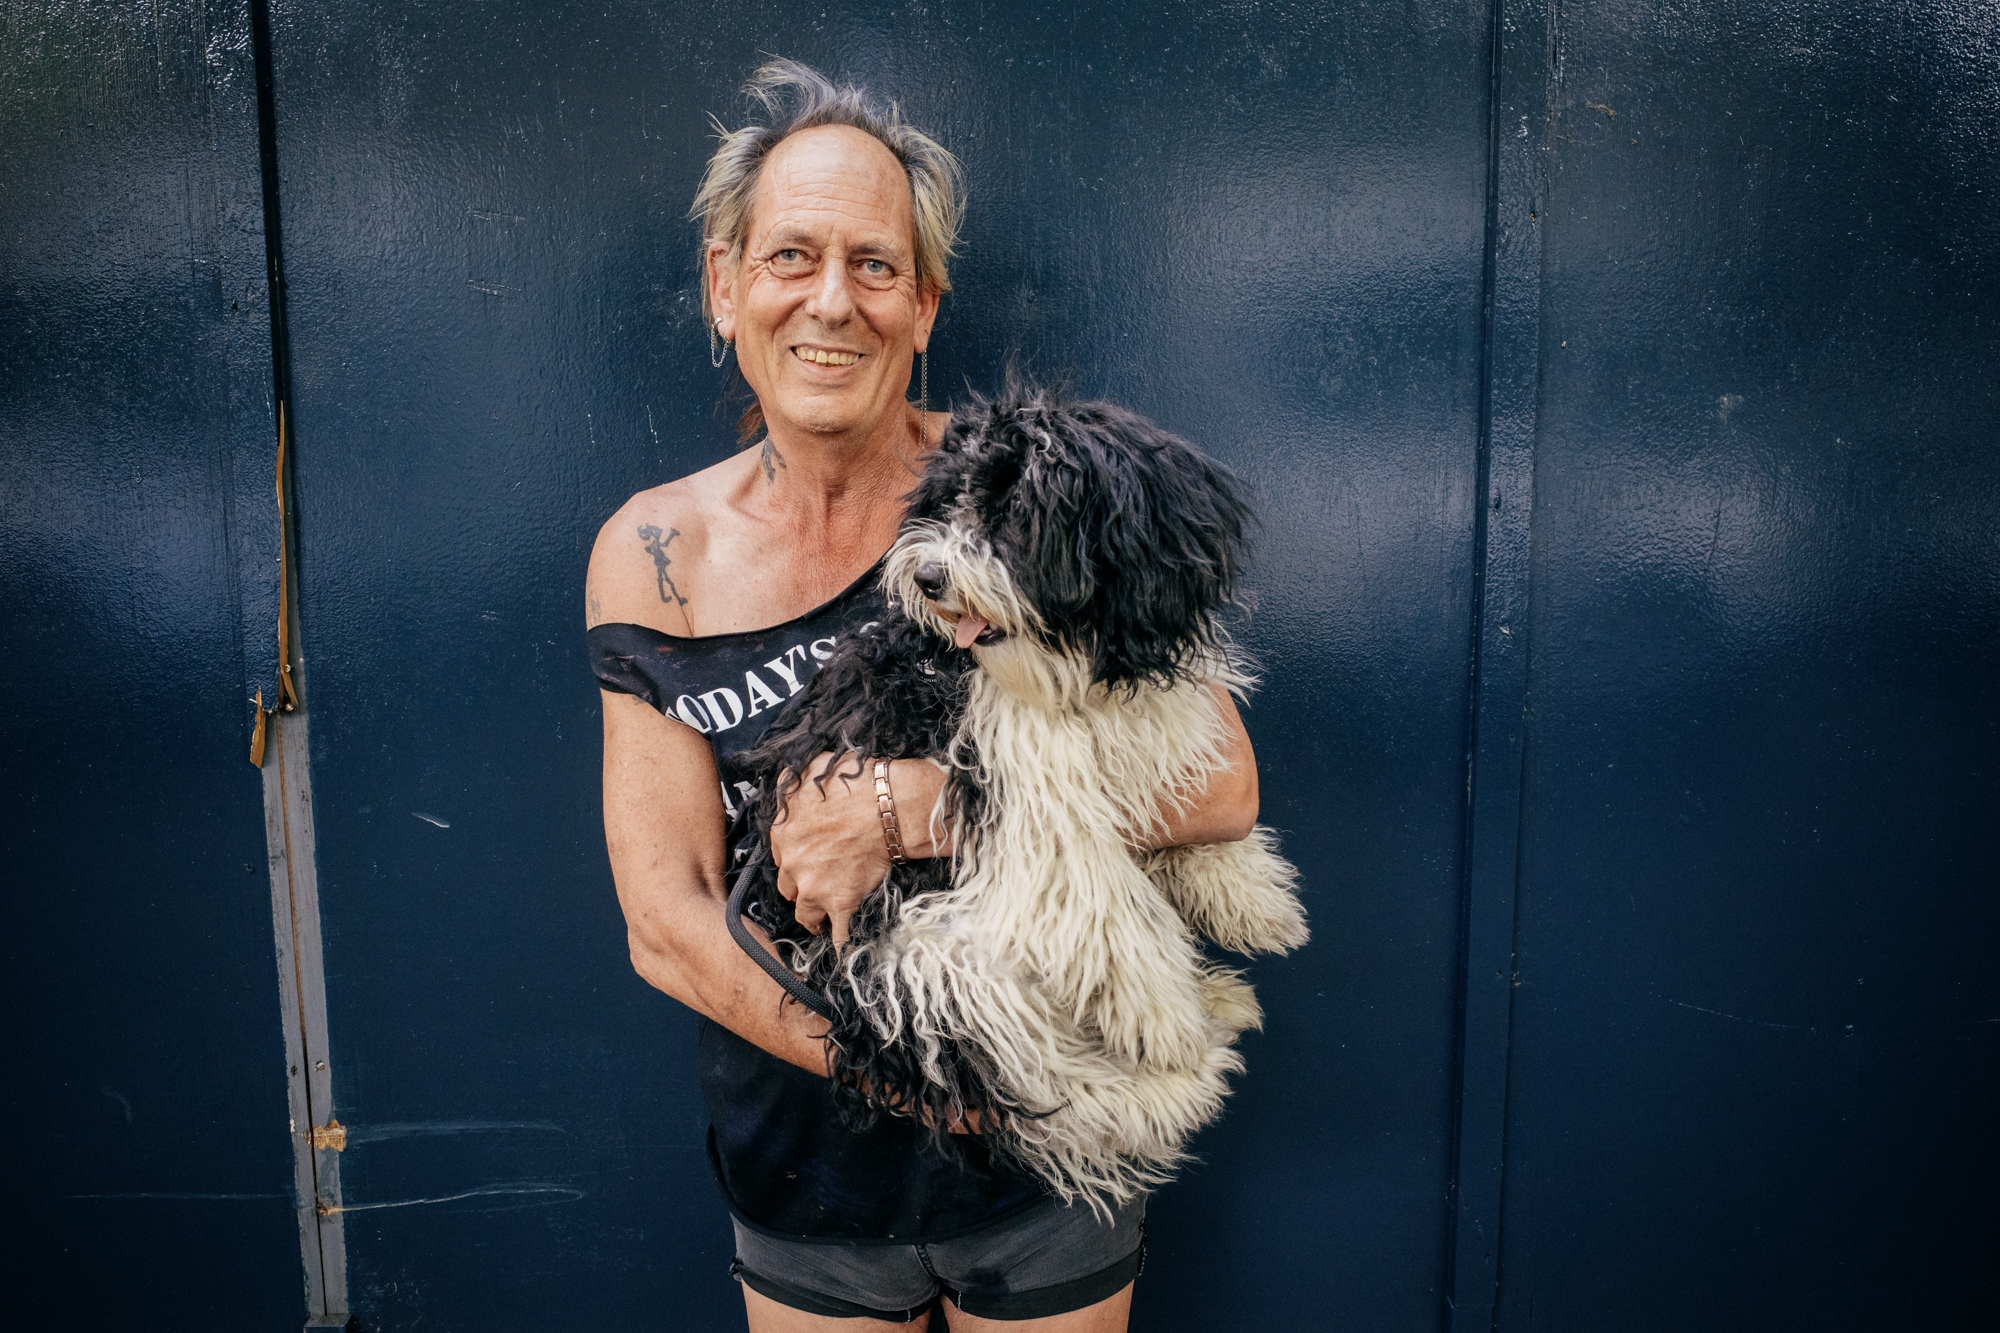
x: 656, y: 545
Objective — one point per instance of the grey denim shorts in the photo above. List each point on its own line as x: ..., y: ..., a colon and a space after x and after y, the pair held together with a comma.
x: 1047, y: 1259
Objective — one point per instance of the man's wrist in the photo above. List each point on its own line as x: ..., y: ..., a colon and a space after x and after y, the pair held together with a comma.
x: 917, y: 784
x: 885, y: 809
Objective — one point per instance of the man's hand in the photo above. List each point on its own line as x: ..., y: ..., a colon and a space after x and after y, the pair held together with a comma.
x: 831, y: 854
x: 828, y: 843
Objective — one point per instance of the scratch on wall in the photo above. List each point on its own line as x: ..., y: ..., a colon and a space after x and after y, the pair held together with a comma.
x: 176, y: 1195
x: 559, y: 1193
x: 403, y: 1129
x: 1738, y: 1018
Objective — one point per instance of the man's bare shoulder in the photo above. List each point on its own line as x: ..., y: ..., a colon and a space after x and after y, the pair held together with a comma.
x: 651, y: 559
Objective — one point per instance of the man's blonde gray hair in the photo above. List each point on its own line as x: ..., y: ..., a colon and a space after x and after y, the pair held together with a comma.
x: 796, y: 97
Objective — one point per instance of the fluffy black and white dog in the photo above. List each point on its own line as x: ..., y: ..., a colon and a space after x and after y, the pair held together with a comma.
x: 1053, y: 644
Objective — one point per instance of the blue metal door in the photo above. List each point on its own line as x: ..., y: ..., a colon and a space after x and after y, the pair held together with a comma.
x: 1754, y: 1041
x: 144, y: 1102
x: 1255, y: 228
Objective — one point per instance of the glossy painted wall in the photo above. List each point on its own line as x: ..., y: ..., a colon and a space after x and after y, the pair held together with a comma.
x: 1617, y: 383
x: 1252, y: 227
x: 150, y: 1176
x: 1757, y: 1032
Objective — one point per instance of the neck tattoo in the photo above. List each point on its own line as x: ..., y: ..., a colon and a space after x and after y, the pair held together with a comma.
x: 771, y: 459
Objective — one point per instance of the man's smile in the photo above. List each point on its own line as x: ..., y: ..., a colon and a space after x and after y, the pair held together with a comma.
x: 825, y: 356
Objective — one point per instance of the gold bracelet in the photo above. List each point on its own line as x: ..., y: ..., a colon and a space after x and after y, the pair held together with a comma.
x: 886, y: 804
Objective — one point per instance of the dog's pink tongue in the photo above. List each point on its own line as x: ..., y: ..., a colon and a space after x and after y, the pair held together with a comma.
x: 969, y: 627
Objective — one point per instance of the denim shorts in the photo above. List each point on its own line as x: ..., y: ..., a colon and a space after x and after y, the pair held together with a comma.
x: 1047, y: 1259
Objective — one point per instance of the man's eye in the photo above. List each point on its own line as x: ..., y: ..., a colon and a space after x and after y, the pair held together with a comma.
x: 874, y: 266
x: 788, y: 256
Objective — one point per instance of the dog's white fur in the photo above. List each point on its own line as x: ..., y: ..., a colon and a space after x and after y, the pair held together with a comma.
x: 1064, y: 952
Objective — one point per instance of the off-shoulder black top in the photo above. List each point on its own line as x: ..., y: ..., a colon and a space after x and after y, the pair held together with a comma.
x: 785, y: 1162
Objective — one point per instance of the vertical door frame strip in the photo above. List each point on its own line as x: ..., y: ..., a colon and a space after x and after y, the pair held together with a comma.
x: 288, y: 833
x: 288, y: 809
x: 1498, y: 712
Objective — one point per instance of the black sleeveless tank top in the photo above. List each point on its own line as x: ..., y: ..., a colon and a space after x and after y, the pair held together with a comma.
x: 785, y: 1162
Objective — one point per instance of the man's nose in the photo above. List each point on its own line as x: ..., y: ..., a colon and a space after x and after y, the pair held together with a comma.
x: 832, y: 301
x: 929, y: 578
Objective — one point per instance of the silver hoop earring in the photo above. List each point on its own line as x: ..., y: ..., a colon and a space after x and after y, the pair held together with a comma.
x: 924, y: 399
x: 717, y: 357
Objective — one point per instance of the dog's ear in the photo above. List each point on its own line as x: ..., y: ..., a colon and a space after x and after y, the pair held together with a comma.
x: 1057, y: 502
x: 947, y: 467
x: 1133, y: 537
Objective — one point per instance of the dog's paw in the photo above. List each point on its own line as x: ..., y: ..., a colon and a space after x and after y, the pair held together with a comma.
x: 1230, y: 1003
x: 1242, y: 895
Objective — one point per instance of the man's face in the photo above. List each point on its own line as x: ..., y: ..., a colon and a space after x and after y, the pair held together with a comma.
x: 823, y: 303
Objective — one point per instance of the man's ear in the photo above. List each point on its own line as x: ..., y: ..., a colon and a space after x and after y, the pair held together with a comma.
x: 927, y: 308
x: 720, y: 274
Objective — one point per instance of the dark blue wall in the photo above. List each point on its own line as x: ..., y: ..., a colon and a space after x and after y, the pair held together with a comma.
x: 1257, y: 230
x: 1726, y: 273
x: 150, y: 1175
x: 1757, y: 1031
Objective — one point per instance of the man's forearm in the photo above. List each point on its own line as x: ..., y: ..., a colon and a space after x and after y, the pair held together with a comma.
x: 698, y: 963
x: 1224, y: 811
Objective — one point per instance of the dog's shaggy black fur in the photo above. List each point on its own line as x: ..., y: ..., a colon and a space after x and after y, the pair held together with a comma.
x: 1127, y: 543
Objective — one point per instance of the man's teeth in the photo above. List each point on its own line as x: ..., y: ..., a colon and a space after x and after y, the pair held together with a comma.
x: 821, y: 358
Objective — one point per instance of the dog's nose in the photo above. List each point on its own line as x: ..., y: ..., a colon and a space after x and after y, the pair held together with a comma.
x: 929, y: 578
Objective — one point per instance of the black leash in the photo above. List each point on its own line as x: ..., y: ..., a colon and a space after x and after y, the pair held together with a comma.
x: 761, y: 956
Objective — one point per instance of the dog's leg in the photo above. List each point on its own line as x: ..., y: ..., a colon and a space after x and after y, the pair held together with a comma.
x: 1112, y: 953
x: 1054, y: 883
x: 1096, y: 1125
x: 1242, y: 895
x: 940, y: 988
x: 1081, y: 941
x: 1122, y: 1127
x: 1118, y: 1126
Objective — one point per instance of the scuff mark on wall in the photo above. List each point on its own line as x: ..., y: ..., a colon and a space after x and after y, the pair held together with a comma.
x: 405, y: 1129
x: 1738, y: 1018
x: 170, y: 1194
x: 559, y: 1193
x: 118, y: 1097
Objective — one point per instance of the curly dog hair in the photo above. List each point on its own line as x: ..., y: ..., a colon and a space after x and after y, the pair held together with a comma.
x: 1053, y: 643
